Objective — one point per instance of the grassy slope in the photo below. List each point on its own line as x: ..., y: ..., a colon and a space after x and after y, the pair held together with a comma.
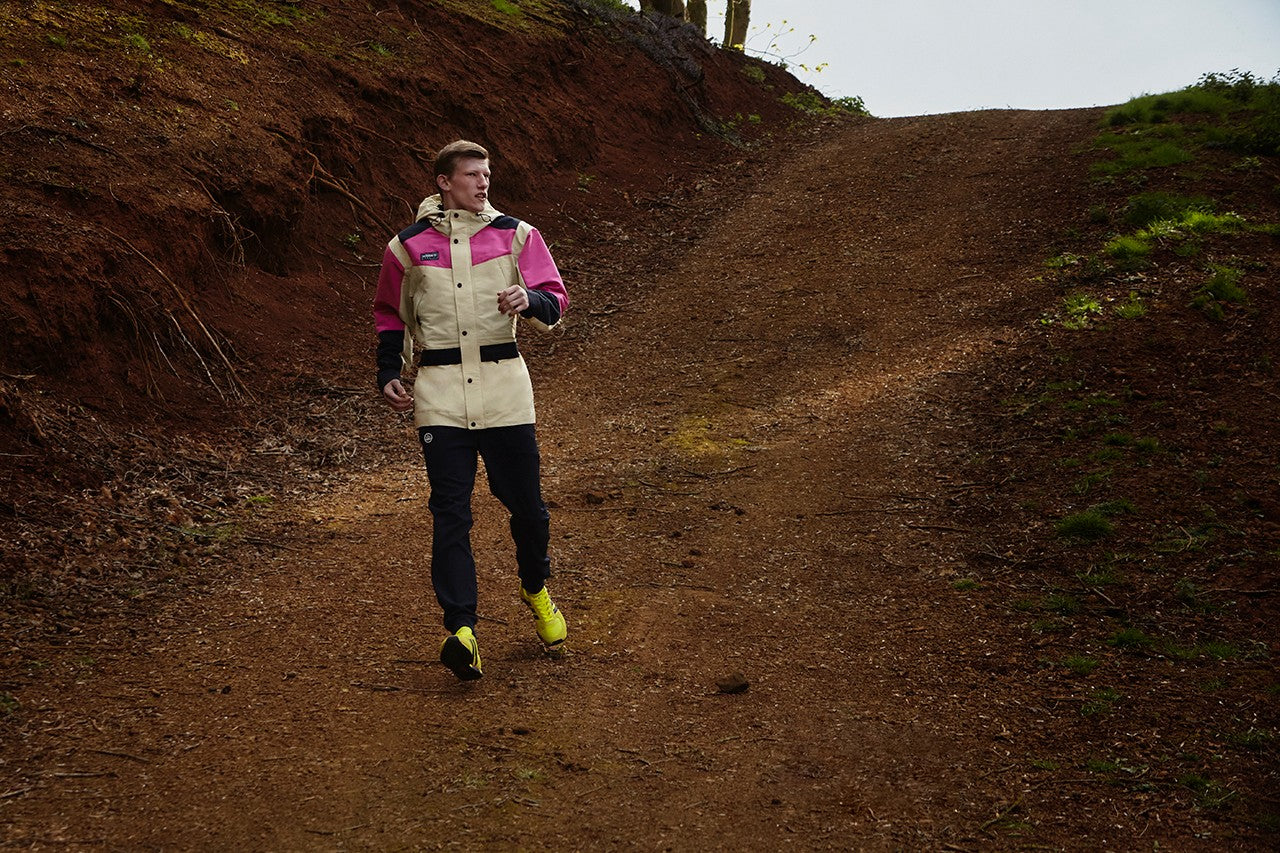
x: 1135, y: 533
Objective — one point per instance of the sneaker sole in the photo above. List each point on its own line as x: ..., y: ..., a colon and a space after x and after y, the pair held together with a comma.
x: 457, y: 657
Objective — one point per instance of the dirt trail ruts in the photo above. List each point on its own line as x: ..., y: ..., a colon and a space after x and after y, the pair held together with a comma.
x: 748, y: 457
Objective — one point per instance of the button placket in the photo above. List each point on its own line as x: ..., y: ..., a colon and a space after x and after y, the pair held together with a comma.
x: 465, y: 311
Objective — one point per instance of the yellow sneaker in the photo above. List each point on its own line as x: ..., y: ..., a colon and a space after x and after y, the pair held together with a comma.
x: 461, y: 653
x: 551, y: 627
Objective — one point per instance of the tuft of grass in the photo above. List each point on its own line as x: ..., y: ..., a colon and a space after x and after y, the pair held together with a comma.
x: 1253, y: 739
x: 1061, y: 604
x: 1088, y: 526
x: 1222, y: 288
x: 1141, y: 149
x: 1232, y: 110
x: 1120, y: 506
x: 1130, y: 251
x: 1101, y: 701
x: 1130, y: 638
x: 1132, y: 308
x: 1209, y: 794
x: 1147, y: 445
x: 138, y: 42
x: 1088, y: 482
x: 8, y: 704
x: 507, y: 8
x: 1105, y: 575
x: 1103, y: 765
x: 1219, y: 650
x: 965, y: 584
x: 1204, y: 222
x: 1080, y: 664
x: 1146, y: 208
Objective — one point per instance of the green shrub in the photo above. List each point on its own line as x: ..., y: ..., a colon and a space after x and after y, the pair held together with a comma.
x: 813, y: 103
x: 851, y: 104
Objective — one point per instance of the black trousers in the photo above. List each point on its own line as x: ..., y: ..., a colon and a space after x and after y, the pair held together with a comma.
x: 512, y: 462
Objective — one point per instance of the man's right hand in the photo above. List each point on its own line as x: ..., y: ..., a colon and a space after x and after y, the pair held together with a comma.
x: 398, y: 398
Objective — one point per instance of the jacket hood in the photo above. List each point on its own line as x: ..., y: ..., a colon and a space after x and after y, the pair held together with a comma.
x: 432, y: 210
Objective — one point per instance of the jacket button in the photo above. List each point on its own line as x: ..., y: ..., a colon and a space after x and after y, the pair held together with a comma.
x: 464, y: 334
x: 455, y: 239
x: 459, y: 284
x: 469, y: 380
x: 473, y: 423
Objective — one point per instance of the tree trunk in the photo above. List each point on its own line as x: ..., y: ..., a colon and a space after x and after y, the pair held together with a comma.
x: 674, y: 8
x: 695, y: 12
x: 646, y: 5
x: 737, y: 14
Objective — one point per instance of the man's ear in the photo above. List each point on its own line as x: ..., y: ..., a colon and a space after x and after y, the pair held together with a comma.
x: 442, y: 182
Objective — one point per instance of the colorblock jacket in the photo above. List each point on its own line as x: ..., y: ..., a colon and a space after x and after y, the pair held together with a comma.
x: 440, y: 280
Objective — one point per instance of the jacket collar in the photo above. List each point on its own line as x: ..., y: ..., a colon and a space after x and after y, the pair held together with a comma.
x: 431, y: 209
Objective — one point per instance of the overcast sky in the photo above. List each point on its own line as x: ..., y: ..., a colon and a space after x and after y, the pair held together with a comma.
x: 911, y: 57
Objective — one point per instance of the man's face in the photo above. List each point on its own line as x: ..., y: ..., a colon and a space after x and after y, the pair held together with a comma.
x: 468, y: 187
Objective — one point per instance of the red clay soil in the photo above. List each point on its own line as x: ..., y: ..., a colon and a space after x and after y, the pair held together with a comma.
x: 803, y: 426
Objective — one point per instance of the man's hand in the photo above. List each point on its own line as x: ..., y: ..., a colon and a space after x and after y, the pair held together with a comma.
x: 398, y: 398
x: 513, y: 300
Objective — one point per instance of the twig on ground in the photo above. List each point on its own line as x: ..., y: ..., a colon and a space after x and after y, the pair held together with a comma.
x: 939, y: 527
x: 118, y: 754
x: 1002, y: 814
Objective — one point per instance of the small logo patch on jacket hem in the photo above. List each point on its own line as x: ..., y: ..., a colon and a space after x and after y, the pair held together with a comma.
x: 429, y: 256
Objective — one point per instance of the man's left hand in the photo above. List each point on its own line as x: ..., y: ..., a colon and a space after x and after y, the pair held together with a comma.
x: 513, y: 300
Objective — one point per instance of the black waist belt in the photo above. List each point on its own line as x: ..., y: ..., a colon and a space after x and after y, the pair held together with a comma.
x: 453, y: 355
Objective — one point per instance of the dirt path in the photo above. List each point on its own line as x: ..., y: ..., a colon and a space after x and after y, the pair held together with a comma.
x: 750, y: 456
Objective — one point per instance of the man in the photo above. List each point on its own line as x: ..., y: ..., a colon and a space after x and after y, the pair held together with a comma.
x: 457, y: 280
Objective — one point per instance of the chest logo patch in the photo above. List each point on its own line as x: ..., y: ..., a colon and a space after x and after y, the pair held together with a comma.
x: 429, y: 256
